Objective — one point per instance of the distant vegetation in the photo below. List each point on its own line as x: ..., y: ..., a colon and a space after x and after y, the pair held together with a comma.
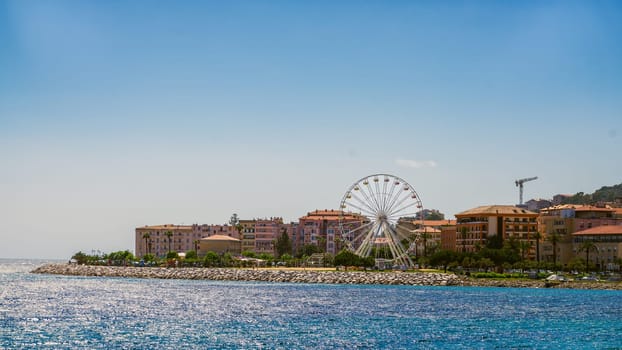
x: 603, y: 194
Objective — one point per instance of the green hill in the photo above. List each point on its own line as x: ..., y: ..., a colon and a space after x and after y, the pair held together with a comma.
x: 603, y: 194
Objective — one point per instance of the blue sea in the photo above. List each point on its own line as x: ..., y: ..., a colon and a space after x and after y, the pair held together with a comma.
x: 58, y: 312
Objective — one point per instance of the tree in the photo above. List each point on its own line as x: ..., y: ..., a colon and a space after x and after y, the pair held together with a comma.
x: 283, y: 244
x: 443, y: 258
x: 523, y: 246
x: 425, y: 237
x: 463, y: 233
x: 435, y: 215
x: 80, y: 258
x: 554, y: 239
x: 346, y: 258
x: 226, y: 259
x: 146, y: 237
x: 234, y: 220
x: 211, y: 259
x: 586, y: 246
x: 169, y: 234
x: 120, y: 257
x: 308, y: 250
x: 191, y: 255
x: 249, y: 254
x: 537, y: 236
x: 287, y: 258
x: 196, y: 245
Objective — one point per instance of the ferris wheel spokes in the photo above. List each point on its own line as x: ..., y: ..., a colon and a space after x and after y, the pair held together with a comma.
x: 364, y: 203
x: 382, y: 200
x: 359, y: 235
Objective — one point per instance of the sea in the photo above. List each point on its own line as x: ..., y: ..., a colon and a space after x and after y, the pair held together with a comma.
x: 62, y: 312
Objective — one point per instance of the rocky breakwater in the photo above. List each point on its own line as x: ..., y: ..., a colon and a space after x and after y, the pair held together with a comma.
x: 267, y: 275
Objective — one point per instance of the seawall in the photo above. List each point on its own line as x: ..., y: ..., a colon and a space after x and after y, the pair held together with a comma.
x: 267, y: 275
x: 312, y: 276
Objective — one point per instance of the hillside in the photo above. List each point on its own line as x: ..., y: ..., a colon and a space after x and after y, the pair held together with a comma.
x: 603, y: 194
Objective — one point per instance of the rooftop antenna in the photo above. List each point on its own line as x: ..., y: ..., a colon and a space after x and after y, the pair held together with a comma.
x: 519, y: 184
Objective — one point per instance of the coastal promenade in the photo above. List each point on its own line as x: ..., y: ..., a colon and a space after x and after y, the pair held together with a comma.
x: 312, y: 276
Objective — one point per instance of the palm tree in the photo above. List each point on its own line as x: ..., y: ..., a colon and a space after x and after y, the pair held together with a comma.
x: 425, y: 237
x: 196, y: 245
x: 587, y: 246
x: 554, y: 239
x: 523, y: 246
x: 537, y: 236
x: 146, y: 237
x: 463, y: 232
x: 169, y: 234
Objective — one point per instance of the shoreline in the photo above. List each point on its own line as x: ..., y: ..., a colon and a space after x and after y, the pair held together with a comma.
x: 310, y: 276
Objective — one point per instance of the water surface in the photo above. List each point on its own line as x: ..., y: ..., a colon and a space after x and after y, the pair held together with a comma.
x: 58, y: 312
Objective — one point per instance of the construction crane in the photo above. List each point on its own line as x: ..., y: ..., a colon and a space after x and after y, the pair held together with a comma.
x: 519, y: 184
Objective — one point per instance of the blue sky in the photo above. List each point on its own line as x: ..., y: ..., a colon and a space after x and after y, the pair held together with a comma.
x: 119, y: 114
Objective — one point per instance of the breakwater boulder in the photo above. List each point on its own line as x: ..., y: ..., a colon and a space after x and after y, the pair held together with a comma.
x: 267, y: 275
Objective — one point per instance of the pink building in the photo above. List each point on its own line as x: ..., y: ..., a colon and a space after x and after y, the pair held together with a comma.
x: 322, y: 228
x: 266, y: 232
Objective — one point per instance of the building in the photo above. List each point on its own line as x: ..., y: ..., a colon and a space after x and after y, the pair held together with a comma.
x: 322, y: 228
x: 220, y: 244
x: 430, y: 233
x: 607, y: 240
x: 183, y: 238
x: 294, y: 235
x: 247, y: 235
x: 478, y: 226
x: 536, y: 205
x: 557, y: 223
x: 266, y: 232
x: 155, y: 239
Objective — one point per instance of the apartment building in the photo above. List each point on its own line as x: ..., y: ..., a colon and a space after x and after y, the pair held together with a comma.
x: 266, y: 232
x: 431, y: 234
x: 558, y: 223
x: 155, y: 239
x: 475, y: 227
x: 247, y: 235
x: 607, y: 240
x: 322, y: 228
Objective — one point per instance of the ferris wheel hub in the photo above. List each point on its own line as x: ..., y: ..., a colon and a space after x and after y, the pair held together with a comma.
x: 380, y: 202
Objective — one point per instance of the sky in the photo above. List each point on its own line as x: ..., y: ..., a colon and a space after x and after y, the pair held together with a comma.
x: 120, y: 114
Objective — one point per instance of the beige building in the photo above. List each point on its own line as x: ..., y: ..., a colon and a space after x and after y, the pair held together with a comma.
x: 557, y: 224
x: 183, y: 238
x: 476, y: 226
x: 248, y: 235
x: 607, y: 241
x: 220, y: 244
x: 430, y: 233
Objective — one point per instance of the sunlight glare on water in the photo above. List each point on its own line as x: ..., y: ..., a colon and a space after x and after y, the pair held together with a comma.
x: 58, y: 312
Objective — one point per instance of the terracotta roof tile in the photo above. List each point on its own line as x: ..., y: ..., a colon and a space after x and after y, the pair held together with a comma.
x: 496, y: 210
x: 220, y: 238
x: 601, y: 230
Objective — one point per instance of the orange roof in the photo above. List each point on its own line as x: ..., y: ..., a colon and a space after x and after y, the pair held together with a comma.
x: 220, y: 238
x: 331, y: 215
x: 497, y: 210
x: 601, y: 230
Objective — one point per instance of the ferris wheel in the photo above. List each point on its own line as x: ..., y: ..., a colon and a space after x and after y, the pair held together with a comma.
x: 381, y: 202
